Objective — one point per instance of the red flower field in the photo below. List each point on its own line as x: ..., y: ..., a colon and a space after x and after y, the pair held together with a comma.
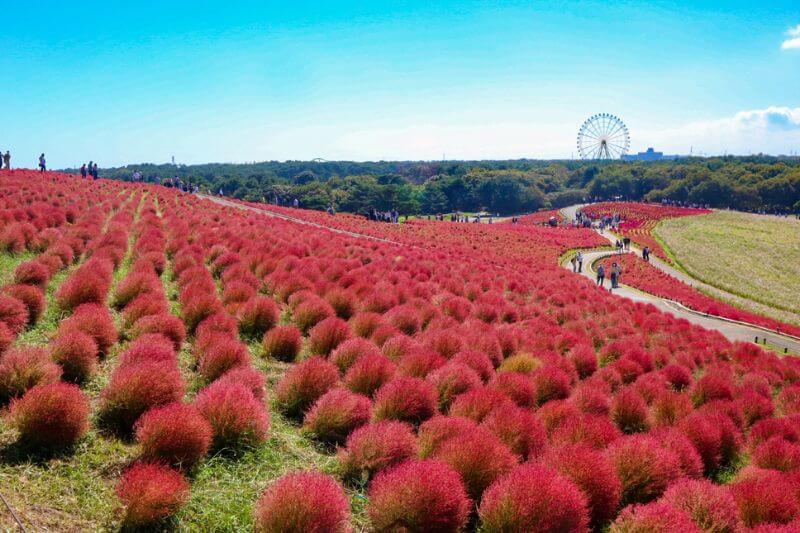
x: 435, y: 375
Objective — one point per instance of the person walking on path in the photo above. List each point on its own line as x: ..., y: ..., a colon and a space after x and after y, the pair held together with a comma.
x: 613, y: 275
x: 626, y: 241
x: 574, y: 262
x: 42, y: 163
x: 646, y: 254
x: 579, y: 258
x: 601, y: 275
x: 7, y: 160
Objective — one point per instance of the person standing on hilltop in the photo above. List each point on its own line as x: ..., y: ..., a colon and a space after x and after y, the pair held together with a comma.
x: 7, y: 160
x: 94, y: 171
x: 83, y: 171
x: 90, y: 167
x: 42, y: 163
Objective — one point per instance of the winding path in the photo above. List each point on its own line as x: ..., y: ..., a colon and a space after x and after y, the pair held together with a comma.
x: 733, y: 330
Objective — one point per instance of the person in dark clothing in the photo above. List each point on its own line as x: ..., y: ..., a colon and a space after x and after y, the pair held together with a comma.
x: 646, y: 254
x: 574, y: 262
x: 42, y: 163
x: 601, y: 275
x: 83, y: 171
x: 94, y: 171
x: 7, y: 160
x: 91, y: 173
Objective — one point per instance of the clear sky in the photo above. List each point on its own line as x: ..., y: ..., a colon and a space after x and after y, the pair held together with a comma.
x: 127, y: 82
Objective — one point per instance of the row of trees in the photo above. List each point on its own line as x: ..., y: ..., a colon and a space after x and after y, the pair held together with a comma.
x: 507, y: 187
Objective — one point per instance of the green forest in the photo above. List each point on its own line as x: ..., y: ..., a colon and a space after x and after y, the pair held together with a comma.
x: 505, y: 187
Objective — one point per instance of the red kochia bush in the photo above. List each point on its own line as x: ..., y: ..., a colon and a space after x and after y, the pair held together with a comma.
x: 76, y: 353
x: 519, y: 429
x: 31, y: 296
x: 655, y: 517
x: 6, y: 337
x: 258, y: 315
x: 534, y: 499
x: 221, y: 356
x: 711, y: 507
x: 55, y: 415
x: 303, y: 501
x: 451, y: 380
x: 477, y: 403
x: 593, y: 474
x: 134, y: 388
x: 235, y: 415
x: 373, y: 447
x: 94, y: 320
x: 198, y: 308
x: 777, y: 454
x: 645, y: 469
x: 145, y: 305
x: 32, y: 273
x: 337, y: 413
x: 629, y: 411
x: 249, y: 377
x: 283, y: 343
x: 406, y: 399
x: 479, y: 458
x: 88, y: 284
x: 304, y: 383
x: 14, y: 313
x: 551, y: 383
x: 23, y: 368
x: 347, y: 353
x: 369, y: 373
x: 420, y: 496
x: 765, y: 497
x: 165, y: 324
x: 518, y: 387
x: 150, y: 493
x: 327, y: 335
x: 175, y: 433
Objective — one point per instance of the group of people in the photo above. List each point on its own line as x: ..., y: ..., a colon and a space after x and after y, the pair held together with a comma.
x: 577, y: 262
x: 392, y: 216
x: 89, y: 170
x: 614, y: 275
x: 623, y: 244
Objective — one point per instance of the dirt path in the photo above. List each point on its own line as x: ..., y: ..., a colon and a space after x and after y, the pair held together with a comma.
x: 733, y: 330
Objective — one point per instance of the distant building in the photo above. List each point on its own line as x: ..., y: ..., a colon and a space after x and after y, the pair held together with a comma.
x: 649, y: 155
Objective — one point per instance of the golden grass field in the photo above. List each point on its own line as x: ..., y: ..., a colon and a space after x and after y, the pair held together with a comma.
x: 757, y: 257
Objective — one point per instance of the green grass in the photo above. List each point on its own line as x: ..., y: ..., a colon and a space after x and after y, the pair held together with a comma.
x: 752, y: 256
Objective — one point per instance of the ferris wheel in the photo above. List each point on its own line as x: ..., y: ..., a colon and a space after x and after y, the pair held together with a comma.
x: 603, y: 136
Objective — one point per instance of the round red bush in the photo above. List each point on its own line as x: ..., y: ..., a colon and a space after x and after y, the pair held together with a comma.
x: 14, y: 313
x: 164, y: 324
x: 237, y: 418
x: 518, y: 387
x: 304, y: 383
x: 655, y: 517
x: 135, y: 388
x: 369, y: 373
x: 451, y: 380
x: 31, y: 296
x: 198, y: 308
x: 336, y: 414
x: 23, y: 368
x: 711, y: 507
x: 257, y: 316
x: 221, y: 356
x: 32, y: 273
x: 327, y: 335
x: 174, y: 433
x: 420, y: 495
x: 148, y: 304
x: 77, y: 355
x: 7, y: 337
x: 712, y: 387
x: 249, y: 377
x: 777, y: 454
x: 629, y: 411
x: 346, y: 354
x: 477, y: 403
x: 519, y: 429
x: 533, y: 498
x: 479, y: 458
x: 406, y: 399
x: 303, y: 501
x: 150, y: 493
x: 282, y: 343
x: 593, y: 474
x: 311, y: 312
x: 96, y: 321
x: 644, y: 468
x: 551, y: 383
x: 376, y: 446
x: 439, y: 429
x: 51, y: 416
x: 765, y: 497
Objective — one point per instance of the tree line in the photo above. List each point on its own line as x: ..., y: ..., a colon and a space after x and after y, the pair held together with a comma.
x: 505, y: 187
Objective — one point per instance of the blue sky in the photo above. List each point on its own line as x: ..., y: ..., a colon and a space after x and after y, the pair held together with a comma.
x: 123, y: 82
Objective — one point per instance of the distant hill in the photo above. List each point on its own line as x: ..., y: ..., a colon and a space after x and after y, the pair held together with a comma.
x: 512, y: 186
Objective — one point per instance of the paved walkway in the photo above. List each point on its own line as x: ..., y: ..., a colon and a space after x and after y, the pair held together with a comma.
x: 736, y: 331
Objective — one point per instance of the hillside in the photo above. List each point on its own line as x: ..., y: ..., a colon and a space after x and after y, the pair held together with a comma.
x: 170, y: 362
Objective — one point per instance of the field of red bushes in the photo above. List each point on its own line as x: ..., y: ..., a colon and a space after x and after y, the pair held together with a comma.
x: 637, y: 220
x: 458, y: 377
x: 644, y: 276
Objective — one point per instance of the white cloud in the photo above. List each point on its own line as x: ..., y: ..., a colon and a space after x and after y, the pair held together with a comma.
x: 794, y: 39
x: 774, y: 130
